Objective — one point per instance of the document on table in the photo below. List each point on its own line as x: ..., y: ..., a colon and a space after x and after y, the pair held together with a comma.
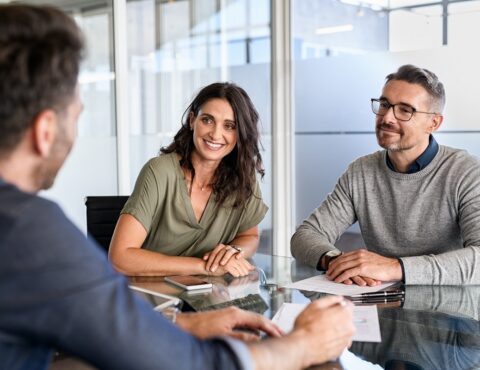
x: 320, y: 283
x: 351, y: 362
x: 365, y: 319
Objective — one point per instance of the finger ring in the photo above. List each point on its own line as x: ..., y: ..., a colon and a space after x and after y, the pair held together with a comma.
x: 238, y: 249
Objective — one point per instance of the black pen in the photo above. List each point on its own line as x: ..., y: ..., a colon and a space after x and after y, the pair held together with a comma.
x: 383, y: 293
x: 378, y: 300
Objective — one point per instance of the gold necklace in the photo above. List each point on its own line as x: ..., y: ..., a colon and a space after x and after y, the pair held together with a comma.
x: 190, y: 182
x: 201, y: 187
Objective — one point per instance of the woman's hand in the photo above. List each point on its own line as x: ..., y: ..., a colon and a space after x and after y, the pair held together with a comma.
x: 235, y: 267
x: 220, y: 256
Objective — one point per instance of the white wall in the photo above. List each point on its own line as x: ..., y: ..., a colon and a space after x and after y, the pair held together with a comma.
x: 91, y: 169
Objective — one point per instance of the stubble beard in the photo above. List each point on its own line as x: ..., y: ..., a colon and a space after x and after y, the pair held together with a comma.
x: 396, y: 147
x: 47, y: 171
x: 393, y: 147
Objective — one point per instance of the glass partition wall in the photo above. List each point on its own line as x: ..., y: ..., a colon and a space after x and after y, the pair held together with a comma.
x: 173, y: 48
x: 341, y: 52
x: 177, y: 47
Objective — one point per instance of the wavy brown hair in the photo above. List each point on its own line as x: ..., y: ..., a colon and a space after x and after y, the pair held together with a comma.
x: 236, y: 173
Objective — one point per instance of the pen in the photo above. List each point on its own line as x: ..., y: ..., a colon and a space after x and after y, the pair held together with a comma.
x: 384, y: 293
x: 379, y: 300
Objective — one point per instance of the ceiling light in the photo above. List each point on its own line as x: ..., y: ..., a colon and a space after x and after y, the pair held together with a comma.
x: 334, y: 29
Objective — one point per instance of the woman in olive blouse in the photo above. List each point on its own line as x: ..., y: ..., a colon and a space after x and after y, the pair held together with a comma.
x: 195, y: 208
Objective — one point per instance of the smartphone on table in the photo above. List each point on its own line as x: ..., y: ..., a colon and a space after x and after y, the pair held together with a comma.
x: 188, y: 282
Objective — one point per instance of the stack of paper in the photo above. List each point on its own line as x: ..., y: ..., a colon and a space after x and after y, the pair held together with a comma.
x: 320, y: 283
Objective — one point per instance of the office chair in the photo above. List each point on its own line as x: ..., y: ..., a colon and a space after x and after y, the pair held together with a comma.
x: 102, y: 216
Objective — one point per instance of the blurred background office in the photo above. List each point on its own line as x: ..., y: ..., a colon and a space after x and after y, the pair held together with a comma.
x: 310, y: 66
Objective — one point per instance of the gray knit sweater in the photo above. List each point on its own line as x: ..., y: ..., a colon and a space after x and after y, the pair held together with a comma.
x: 431, y: 219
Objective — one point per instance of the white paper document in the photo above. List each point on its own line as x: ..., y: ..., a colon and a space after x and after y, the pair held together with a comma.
x: 365, y: 319
x: 351, y: 362
x: 320, y: 283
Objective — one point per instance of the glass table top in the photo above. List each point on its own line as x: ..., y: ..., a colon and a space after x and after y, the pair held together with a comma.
x: 437, y: 327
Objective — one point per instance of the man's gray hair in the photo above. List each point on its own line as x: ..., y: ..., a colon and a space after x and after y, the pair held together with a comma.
x: 423, y: 77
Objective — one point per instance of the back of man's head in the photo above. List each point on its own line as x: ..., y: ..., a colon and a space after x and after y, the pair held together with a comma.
x: 40, y: 53
x: 423, y: 77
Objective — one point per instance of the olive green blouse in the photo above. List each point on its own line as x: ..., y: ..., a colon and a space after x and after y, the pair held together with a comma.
x: 161, y: 203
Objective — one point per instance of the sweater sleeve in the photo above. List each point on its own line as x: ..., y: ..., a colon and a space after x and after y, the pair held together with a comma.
x: 318, y: 233
x: 450, y: 268
x: 457, y: 267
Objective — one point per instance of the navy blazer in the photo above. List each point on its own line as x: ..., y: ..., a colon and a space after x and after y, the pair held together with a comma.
x: 58, y: 291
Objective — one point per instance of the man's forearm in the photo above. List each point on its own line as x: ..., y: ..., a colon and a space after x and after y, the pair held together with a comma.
x: 318, y: 233
x: 307, y: 246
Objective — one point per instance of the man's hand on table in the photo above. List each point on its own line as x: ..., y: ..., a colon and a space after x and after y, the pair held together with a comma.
x: 364, y: 268
x: 227, y: 321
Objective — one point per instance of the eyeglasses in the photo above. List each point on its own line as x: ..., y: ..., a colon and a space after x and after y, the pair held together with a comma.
x: 402, y: 112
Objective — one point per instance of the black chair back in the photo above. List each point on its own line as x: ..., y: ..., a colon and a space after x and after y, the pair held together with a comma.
x: 102, y: 216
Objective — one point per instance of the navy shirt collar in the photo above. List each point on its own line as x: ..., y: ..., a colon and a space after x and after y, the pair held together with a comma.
x: 423, y: 161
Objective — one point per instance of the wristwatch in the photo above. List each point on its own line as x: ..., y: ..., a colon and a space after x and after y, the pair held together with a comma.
x: 326, y: 259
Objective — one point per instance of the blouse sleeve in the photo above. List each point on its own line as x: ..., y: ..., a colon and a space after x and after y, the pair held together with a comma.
x: 255, y: 210
x: 144, y: 200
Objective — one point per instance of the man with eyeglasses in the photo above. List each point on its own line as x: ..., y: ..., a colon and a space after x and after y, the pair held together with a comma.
x: 417, y: 202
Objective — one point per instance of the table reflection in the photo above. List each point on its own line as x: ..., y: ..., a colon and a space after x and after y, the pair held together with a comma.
x: 436, y: 328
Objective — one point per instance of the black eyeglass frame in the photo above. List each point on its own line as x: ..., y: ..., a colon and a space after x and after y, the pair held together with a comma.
x: 414, y: 110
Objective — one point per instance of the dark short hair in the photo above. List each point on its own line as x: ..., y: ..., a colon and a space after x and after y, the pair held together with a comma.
x: 423, y: 77
x: 236, y: 174
x: 40, y: 53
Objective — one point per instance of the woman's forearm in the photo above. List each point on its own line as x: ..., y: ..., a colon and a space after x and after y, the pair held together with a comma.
x: 142, y: 262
